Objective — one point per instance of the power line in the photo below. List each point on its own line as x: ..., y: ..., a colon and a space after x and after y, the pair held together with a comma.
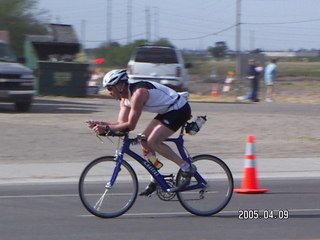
x: 276, y: 23
x: 207, y: 35
x: 135, y: 35
x: 230, y: 27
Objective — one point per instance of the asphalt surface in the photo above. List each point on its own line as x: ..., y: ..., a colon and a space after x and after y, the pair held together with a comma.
x: 291, y: 210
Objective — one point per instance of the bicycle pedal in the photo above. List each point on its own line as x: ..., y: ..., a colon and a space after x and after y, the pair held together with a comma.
x: 149, y: 189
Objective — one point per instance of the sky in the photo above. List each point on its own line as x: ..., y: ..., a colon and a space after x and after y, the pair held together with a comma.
x: 270, y: 25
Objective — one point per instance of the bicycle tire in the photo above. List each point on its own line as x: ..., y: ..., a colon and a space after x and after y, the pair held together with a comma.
x: 100, y: 199
x: 218, y: 192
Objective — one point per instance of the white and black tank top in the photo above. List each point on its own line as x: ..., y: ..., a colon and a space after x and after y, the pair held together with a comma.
x: 161, y: 99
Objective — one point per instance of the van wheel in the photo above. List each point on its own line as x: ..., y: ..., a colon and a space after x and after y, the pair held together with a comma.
x: 22, y: 106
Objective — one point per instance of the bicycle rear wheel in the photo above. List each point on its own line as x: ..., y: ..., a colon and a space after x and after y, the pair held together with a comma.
x: 101, y: 199
x: 212, y: 198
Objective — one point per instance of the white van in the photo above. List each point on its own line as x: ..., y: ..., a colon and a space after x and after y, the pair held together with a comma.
x: 161, y: 64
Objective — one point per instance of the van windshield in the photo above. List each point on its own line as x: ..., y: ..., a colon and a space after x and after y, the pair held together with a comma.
x: 6, y: 53
x: 155, y: 55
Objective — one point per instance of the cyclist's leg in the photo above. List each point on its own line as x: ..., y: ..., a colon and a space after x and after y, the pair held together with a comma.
x: 162, y: 127
x: 146, y: 133
x: 156, y: 133
x: 151, y: 187
x: 151, y: 132
x: 155, y: 140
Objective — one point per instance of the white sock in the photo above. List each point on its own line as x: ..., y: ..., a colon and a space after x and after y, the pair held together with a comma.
x: 152, y: 179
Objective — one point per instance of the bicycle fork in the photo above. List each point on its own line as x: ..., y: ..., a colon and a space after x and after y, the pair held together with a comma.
x: 116, y: 171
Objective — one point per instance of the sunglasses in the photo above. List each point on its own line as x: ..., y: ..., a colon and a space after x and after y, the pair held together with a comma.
x: 109, y: 88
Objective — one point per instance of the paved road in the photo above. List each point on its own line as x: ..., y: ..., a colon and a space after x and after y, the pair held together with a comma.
x: 53, y: 211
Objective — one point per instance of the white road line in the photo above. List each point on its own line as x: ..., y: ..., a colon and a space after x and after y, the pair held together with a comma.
x: 231, y: 212
x: 54, y: 195
x: 143, y: 214
x: 291, y: 211
x: 40, y: 196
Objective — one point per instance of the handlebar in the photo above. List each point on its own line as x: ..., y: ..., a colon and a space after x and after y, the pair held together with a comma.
x: 111, y: 133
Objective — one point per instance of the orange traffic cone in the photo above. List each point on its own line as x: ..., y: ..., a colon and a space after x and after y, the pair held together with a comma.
x: 250, y: 182
x: 214, y: 90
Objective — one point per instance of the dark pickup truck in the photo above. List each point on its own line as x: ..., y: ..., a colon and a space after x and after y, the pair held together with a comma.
x: 16, y: 80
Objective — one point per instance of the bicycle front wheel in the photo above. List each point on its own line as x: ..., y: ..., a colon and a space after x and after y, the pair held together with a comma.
x: 99, y: 196
x: 216, y: 194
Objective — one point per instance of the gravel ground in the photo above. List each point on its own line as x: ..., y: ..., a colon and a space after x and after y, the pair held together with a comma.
x: 54, y: 130
x: 287, y: 90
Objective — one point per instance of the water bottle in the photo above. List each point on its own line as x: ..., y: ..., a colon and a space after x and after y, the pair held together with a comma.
x: 152, y: 158
x: 195, y: 126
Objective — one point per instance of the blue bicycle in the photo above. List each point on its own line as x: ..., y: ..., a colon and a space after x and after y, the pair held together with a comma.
x: 108, y: 186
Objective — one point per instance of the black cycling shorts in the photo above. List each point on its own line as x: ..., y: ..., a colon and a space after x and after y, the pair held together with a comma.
x: 175, y: 118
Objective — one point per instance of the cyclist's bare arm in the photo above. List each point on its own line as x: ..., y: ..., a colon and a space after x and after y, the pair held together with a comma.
x: 137, y: 101
x: 128, y: 117
x: 122, y: 117
x: 123, y: 113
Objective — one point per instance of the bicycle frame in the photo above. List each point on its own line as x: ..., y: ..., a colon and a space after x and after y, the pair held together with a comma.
x: 160, y: 179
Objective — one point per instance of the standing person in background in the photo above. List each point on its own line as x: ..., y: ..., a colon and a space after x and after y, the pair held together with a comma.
x: 253, y: 75
x: 269, y: 78
x: 259, y: 70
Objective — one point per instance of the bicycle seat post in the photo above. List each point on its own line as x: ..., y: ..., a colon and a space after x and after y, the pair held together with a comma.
x: 182, y: 130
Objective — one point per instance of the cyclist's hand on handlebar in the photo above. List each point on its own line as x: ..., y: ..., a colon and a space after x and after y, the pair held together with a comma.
x: 91, y: 123
x: 103, y: 129
x: 100, y: 129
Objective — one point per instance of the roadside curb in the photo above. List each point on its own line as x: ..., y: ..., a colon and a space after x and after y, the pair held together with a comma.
x: 70, y: 172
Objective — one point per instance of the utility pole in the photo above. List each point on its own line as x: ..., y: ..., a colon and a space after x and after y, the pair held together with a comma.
x: 148, y: 24
x: 238, y: 40
x: 83, y: 33
x: 156, y: 23
x: 109, y: 20
x: 129, y: 21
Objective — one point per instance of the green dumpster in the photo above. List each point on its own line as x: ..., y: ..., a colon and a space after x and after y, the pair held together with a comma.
x: 63, y: 79
x: 52, y: 57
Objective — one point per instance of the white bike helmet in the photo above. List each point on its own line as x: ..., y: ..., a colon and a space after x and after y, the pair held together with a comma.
x: 114, y: 76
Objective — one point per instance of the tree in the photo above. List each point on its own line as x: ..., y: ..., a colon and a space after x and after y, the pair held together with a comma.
x: 257, y: 50
x: 117, y: 55
x: 19, y: 17
x: 220, y: 50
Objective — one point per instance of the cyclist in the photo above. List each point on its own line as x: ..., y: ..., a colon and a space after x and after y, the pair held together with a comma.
x: 172, y: 112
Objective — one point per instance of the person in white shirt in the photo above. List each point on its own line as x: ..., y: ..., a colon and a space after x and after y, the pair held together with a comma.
x: 270, y: 73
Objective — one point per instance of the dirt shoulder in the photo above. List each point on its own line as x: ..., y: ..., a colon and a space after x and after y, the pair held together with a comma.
x: 287, y: 90
x: 54, y: 130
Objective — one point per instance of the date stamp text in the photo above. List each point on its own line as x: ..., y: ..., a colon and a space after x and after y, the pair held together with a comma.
x: 252, y: 214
